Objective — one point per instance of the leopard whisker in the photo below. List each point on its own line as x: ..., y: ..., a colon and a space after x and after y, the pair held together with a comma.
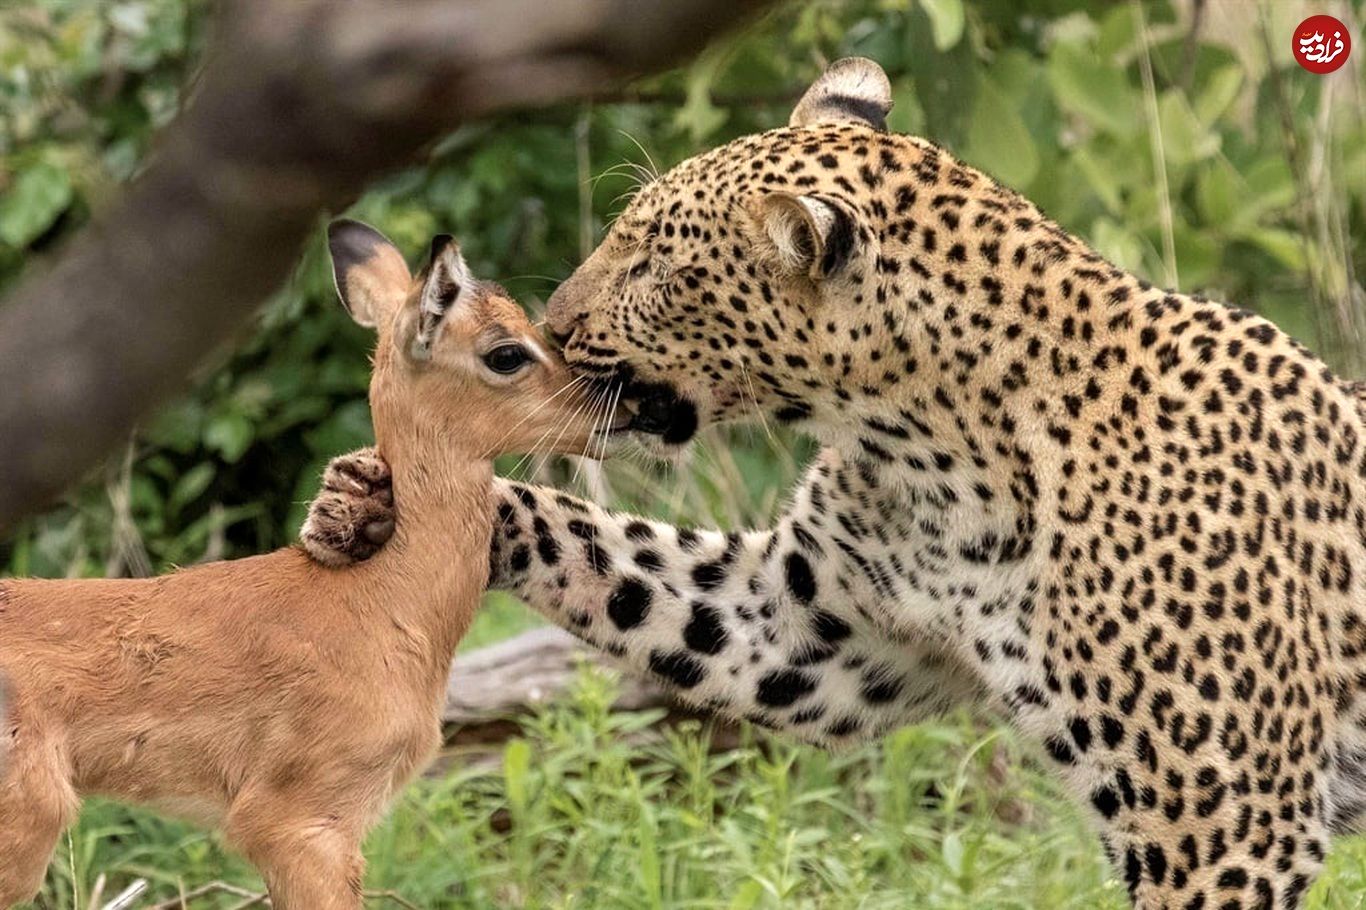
x: 607, y: 423
x: 754, y: 399
x: 547, y: 452
x: 493, y: 450
x: 539, y: 460
x: 653, y: 169
x: 600, y: 403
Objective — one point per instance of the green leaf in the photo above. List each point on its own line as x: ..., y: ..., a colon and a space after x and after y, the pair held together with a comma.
x: 698, y: 116
x: 946, y: 21
x: 1220, y: 91
x: 40, y: 193
x: 144, y: 495
x: 747, y: 896
x: 952, y: 850
x: 230, y: 435
x: 516, y: 770
x: 1198, y: 255
x: 907, y: 115
x: 348, y: 428
x: 192, y: 540
x: 177, y: 426
x: 1092, y: 89
x: 1184, y: 138
x: 1285, y: 247
x: 943, y: 83
x: 1118, y: 32
x: 190, y: 486
x: 1103, y: 180
x: 1117, y: 244
x: 1220, y: 192
x: 1271, y: 186
x: 998, y: 140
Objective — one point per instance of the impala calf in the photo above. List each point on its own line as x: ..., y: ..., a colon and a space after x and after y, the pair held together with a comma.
x: 281, y: 700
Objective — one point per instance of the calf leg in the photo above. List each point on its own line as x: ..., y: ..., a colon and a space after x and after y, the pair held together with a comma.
x: 309, y: 863
x: 36, y: 804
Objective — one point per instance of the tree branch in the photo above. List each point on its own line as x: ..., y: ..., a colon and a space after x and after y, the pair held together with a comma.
x: 301, y: 102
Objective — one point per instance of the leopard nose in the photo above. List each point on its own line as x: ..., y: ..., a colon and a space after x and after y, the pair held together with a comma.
x: 565, y: 310
x: 560, y: 326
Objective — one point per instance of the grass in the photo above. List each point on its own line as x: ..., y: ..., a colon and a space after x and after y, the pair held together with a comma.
x: 575, y: 816
x: 594, y: 809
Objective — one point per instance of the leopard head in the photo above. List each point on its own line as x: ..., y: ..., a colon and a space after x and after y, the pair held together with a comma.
x: 720, y: 292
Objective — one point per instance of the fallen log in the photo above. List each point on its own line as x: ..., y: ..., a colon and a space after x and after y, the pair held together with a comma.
x: 530, y: 670
x: 491, y: 689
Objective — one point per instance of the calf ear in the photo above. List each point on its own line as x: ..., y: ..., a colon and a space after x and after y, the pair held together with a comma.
x: 851, y: 90
x: 813, y: 235
x: 446, y: 284
x: 372, y: 278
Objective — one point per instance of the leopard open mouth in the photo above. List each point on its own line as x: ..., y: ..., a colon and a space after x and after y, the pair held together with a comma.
x: 661, y: 411
x: 656, y: 408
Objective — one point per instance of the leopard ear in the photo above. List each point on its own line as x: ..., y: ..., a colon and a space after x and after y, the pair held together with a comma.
x: 851, y: 90
x: 812, y: 234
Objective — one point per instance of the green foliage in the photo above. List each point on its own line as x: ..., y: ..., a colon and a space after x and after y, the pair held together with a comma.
x: 1224, y: 172
x: 40, y: 193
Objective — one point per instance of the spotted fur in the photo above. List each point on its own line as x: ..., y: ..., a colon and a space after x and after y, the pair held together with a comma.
x: 1133, y: 520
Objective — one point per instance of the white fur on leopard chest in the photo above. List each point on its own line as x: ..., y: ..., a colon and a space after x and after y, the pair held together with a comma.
x: 978, y: 609
x: 928, y: 557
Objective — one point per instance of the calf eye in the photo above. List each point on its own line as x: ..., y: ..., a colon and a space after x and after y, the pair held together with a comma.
x: 507, y: 358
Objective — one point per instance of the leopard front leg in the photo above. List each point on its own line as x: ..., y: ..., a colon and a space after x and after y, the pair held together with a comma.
x: 771, y: 626
x: 757, y: 624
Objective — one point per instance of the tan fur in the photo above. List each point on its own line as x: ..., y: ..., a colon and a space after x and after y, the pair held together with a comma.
x: 281, y: 700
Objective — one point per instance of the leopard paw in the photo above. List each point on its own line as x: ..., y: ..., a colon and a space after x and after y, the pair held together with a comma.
x: 354, y: 514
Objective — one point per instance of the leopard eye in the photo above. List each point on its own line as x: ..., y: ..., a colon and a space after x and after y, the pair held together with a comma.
x: 639, y: 269
x: 507, y: 358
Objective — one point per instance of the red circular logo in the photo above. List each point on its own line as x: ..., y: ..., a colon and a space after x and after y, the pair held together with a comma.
x: 1321, y: 44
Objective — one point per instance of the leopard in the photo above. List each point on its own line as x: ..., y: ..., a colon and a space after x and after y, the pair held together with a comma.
x: 1131, y: 521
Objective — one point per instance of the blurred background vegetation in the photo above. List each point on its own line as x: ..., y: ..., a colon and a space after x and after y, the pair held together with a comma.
x: 1178, y: 137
